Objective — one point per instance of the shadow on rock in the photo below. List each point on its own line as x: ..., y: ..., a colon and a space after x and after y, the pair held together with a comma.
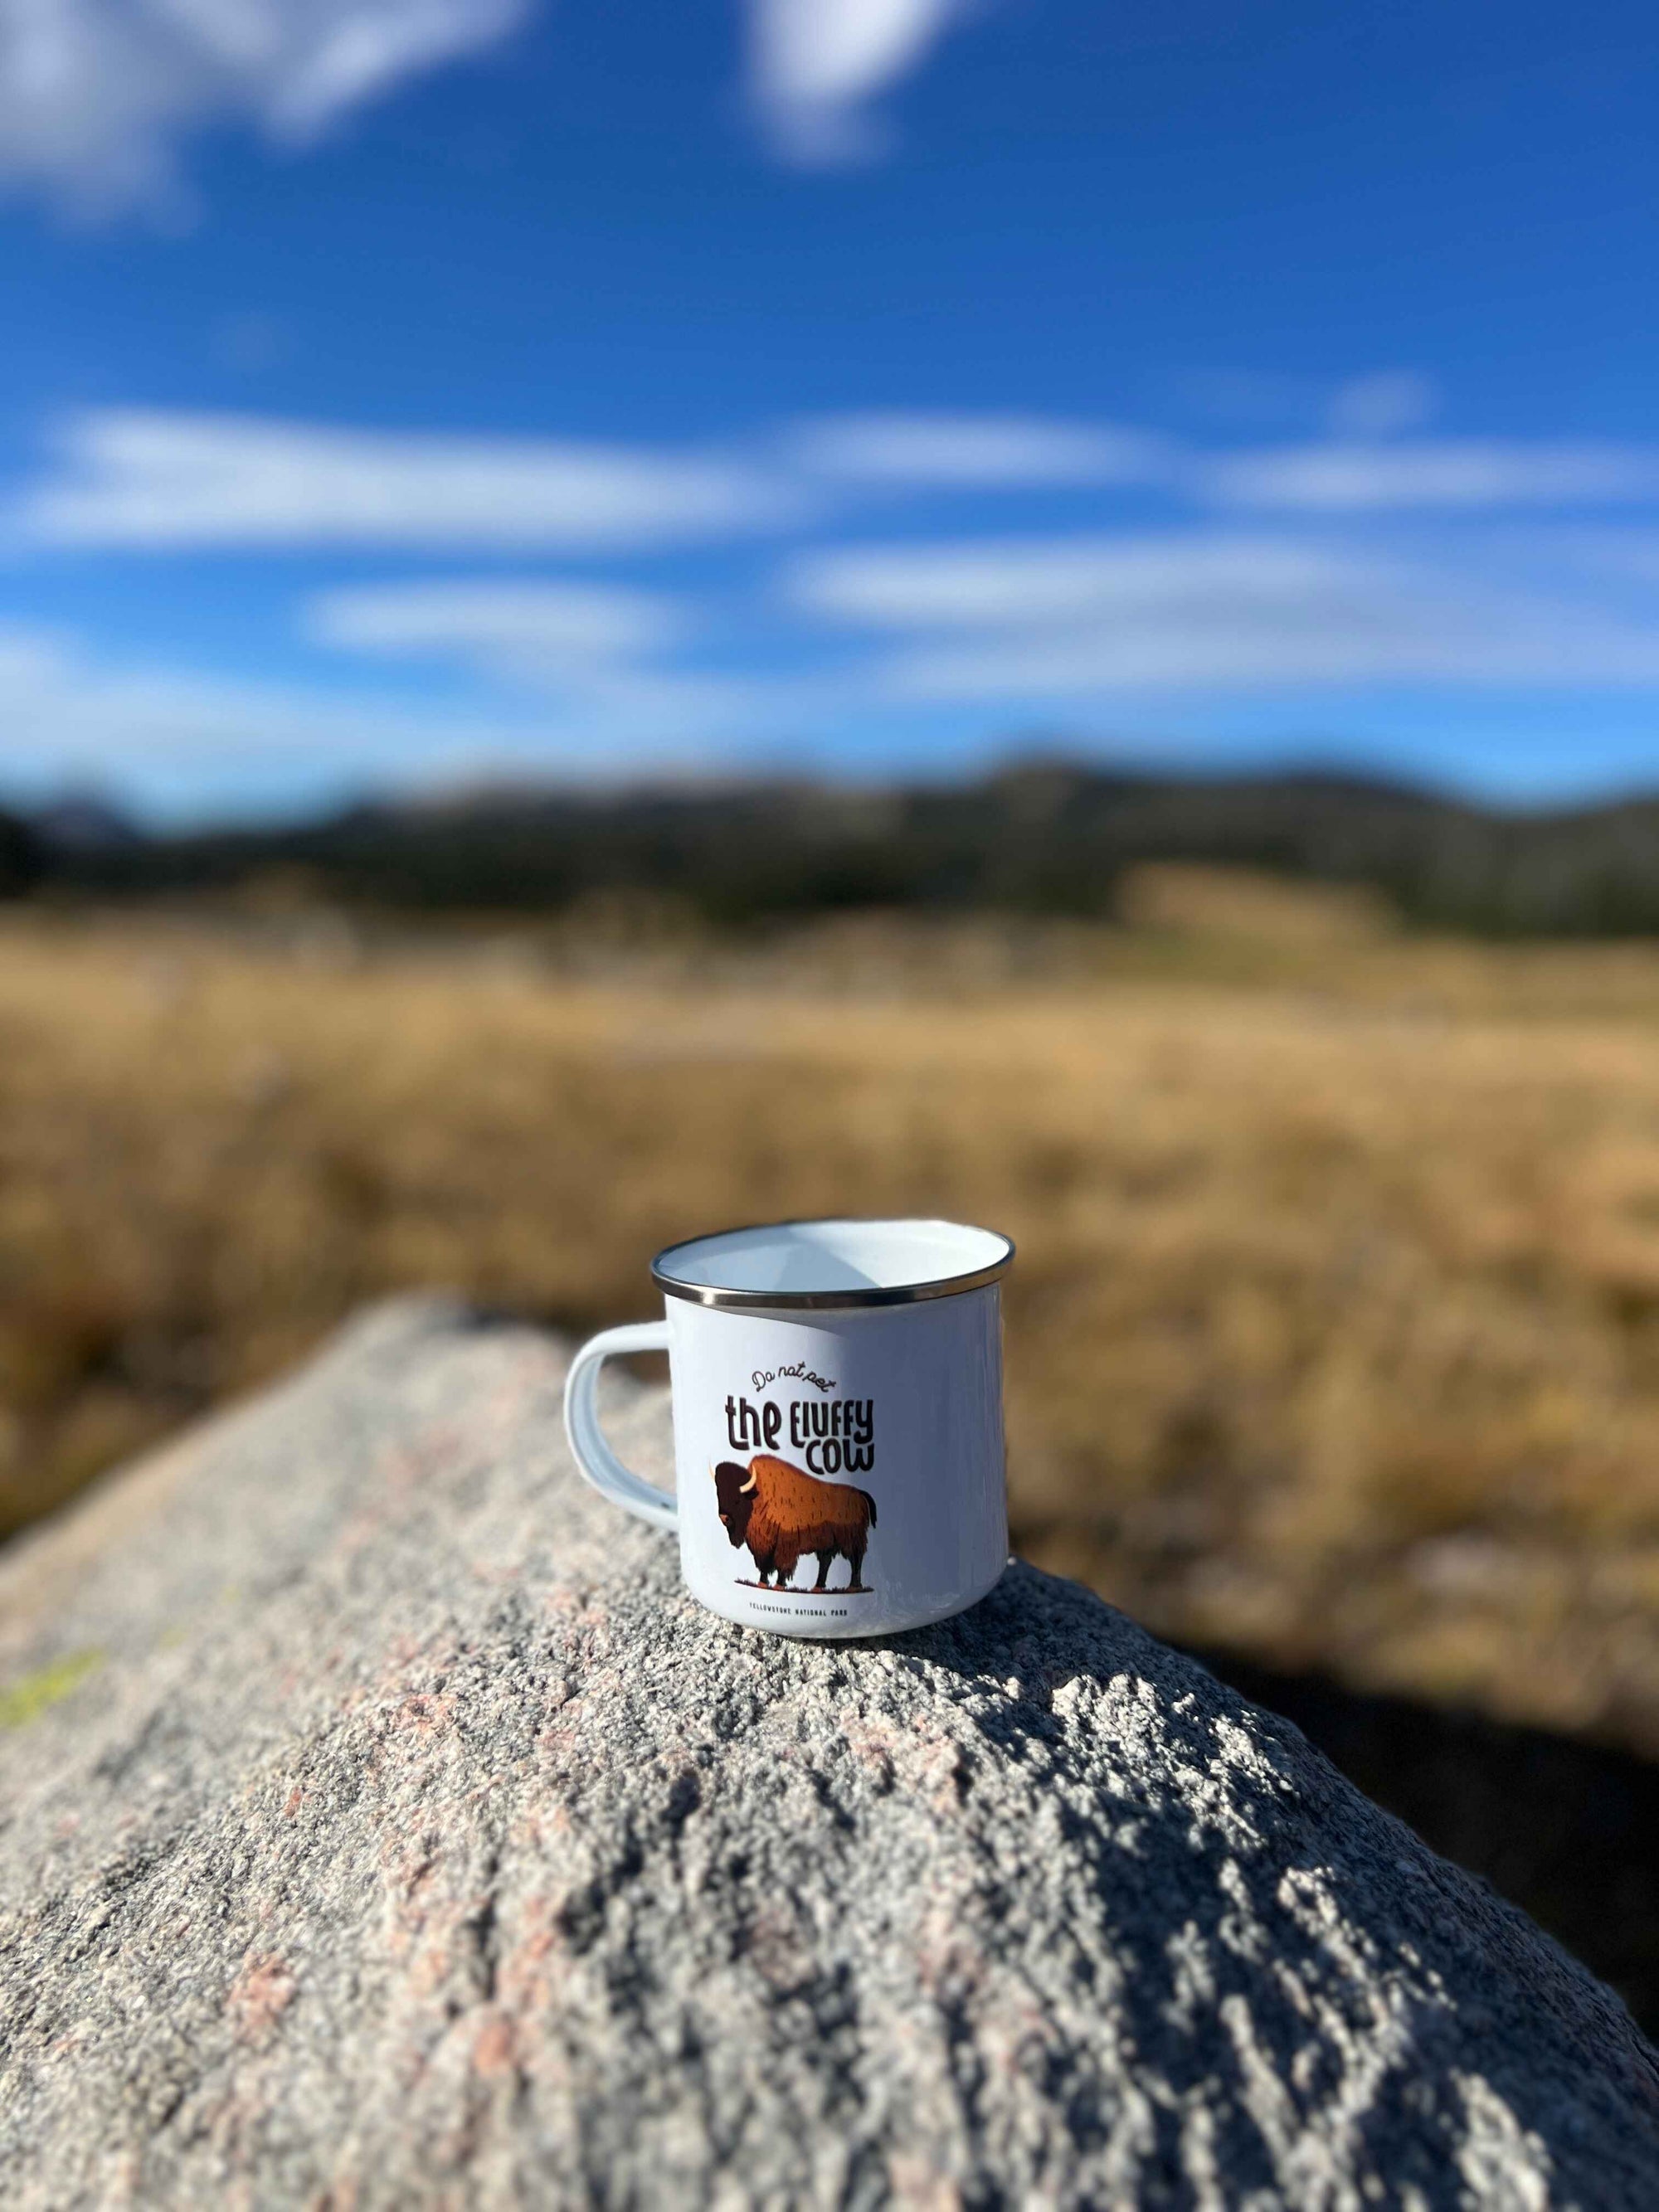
x: 1563, y: 1828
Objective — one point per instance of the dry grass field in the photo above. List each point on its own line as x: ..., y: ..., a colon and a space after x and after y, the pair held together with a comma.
x: 1335, y: 1334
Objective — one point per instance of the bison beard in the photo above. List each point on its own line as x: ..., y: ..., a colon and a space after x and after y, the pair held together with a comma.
x: 781, y: 1513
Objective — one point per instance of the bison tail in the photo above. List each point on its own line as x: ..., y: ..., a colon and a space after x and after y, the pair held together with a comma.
x: 871, y: 1502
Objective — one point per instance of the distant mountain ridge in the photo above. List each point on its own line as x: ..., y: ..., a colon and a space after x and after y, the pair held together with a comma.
x: 1043, y: 837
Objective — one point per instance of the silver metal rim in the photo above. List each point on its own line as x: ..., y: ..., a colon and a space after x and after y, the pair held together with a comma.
x: 902, y: 1294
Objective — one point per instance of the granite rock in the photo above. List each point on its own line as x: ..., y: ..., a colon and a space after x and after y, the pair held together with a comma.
x: 381, y: 1825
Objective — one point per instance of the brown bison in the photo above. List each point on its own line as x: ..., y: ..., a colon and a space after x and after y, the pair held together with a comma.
x: 781, y: 1513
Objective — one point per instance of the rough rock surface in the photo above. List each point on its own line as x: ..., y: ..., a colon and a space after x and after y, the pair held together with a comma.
x: 381, y: 1825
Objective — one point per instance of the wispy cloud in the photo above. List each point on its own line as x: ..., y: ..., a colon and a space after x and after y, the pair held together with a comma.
x: 1071, y: 619
x: 1445, y: 473
x: 99, y: 97
x: 973, y: 452
x: 816, y: 65
x: 1044, y: 583
x: 1625, y: 552
x: 160, y: 732
x: 144, y: 478
x: 526, y: 630
x: 65, y: 711
x: 1381, y: 403
x: 1332, y: 570
x: 95, y: 95
x: 599, y: 655
x: 138, y: 478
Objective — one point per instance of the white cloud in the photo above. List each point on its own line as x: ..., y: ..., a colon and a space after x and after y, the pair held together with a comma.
x: 1466, y: 473
x: 524, y: 631
x: 1045, y: 583
x: 140, y: 478
x: 815, y: 65
x: 145, y: 479
x: 973, y: 452
x: 1091, y: 617
x: 96, y: 94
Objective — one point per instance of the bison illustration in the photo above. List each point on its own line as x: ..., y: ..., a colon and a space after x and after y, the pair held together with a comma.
x: 781, y: 1513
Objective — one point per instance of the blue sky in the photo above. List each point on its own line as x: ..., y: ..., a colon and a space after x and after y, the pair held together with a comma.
x: 405, y: 391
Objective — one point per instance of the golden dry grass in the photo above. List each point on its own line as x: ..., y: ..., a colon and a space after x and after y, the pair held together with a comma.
x: 1335, y: 1334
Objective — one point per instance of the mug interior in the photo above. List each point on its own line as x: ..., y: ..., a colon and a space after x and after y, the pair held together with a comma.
x: 857, y: 1261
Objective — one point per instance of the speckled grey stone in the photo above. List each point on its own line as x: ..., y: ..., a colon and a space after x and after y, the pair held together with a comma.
x: 412, y: 1840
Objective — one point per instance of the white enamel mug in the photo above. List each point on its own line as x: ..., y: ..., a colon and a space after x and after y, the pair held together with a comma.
x: 837, y: 1396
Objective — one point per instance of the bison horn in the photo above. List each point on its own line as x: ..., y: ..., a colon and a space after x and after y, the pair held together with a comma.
x: 744, y: 1487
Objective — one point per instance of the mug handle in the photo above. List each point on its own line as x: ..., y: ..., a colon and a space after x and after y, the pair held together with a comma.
x: 594, y: 1458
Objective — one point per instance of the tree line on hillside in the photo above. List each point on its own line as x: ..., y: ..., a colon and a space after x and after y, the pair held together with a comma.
x: 1051, y: 839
